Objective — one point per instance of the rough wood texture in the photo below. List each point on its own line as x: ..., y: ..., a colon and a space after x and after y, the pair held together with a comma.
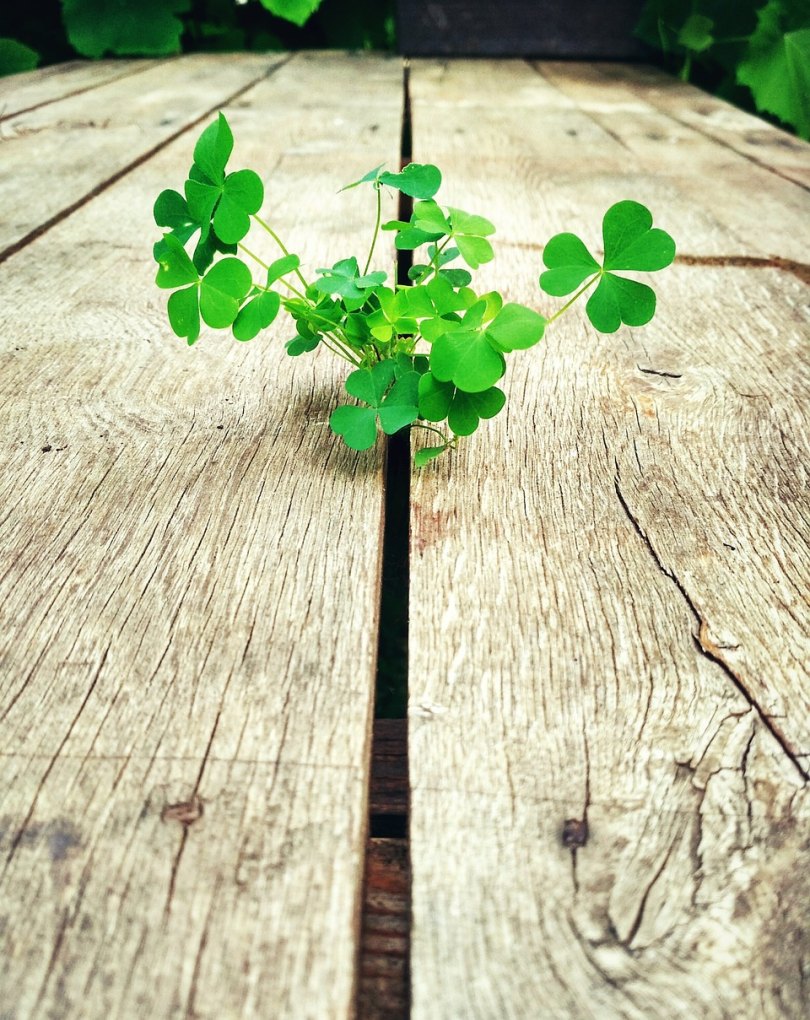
x: 609, y: 617
x: 57, y: 155
x: 756, y: 139
x: 188, y: 595
x: 21, y: 92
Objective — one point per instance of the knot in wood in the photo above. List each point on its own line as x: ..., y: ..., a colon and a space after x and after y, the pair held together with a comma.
x: 575, y: 833
x: 186, y: 812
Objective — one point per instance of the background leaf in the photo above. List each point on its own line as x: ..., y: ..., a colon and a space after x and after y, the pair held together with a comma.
x: 777, y: 68
x: 16, y: 57
x: 296, y: 11
x: 124, y: 27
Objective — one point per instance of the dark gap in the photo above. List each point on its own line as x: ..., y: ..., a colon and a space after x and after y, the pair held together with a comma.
x: 383, y: 980
x: 389, y: 826
x: 392, y: 649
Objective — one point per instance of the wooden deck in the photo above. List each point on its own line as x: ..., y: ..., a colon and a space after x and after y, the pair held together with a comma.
x: 608, y: 725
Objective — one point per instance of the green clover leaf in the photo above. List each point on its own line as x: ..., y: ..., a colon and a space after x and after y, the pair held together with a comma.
x: 467, y: 358
x: 184, y: 313
x: 228, y: 205
x: 222, y: 290
x: 213, y: 150
x: 516, y: 328
x: 216, y: 297
x: 429, y: 453
x: 569, y: 264
x: 175, y: 268
x: 631, y: 243
x: 395, y: 406
x: 344, y: 279
x: 302, y: 344
x: 171, y: 210
x: 617, y: 300
x: 439, y: 400
x: 256, y: 315
x: 416, y: 179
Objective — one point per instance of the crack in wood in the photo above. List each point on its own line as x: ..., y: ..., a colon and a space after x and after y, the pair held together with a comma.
x: 801, y: 270
x: 702, y: 642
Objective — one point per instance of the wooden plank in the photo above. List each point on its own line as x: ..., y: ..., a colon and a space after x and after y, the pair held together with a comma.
x: 22, y: 92
x: 759, y: 141
x: 188, y: 603
x: 56, y: 156
x: 552, y: 124
x: 609, y: 624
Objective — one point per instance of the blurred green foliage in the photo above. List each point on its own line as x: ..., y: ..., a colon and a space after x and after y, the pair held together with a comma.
x: 755, y: 53
x: 55, y: 30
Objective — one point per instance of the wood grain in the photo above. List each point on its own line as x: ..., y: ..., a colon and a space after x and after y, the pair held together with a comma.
x: 56, y: 156
x: 188, y: 599
x: 762, y: 143
x: 609, y: 615
x: 22, y: 92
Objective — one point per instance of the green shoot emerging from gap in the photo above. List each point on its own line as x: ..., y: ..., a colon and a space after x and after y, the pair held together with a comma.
x: 426, y: 355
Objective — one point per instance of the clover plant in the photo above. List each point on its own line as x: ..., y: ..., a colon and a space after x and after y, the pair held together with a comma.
x: 425, y: 354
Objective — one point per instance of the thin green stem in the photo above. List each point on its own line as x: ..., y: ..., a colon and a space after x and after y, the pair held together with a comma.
x: 434, y: 262
x: 340, y: 352
x: 251, y: 255
x: 280, y: 243
x: 430, y: 428
x: 568, y: 304
x: 264, y: 265
x: 376, y: 229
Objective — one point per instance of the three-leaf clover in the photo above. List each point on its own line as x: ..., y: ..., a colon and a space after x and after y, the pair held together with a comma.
x: 439, y: 400
x: 215, y: 297
x: 631, y: 243
x: 394, y: 408
x: 345, y: 279
x: 471, y: 354
x: 227, y: 202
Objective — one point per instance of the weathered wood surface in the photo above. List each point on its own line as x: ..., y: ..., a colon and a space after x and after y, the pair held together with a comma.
x: 609, y: 614
x: 93, y: 137
x: 21, y: 92
x: 188, y: 592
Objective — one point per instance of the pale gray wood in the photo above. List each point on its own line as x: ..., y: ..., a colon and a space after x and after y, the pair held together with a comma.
x: 188, y: 600
x: 19, y: 92
x: 609, y: 617
x: 57, y: 155
x: 779, y: 151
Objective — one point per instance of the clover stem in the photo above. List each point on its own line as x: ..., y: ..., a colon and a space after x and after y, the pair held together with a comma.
x: 340, y: 353
x: 250, y: 254
x: 430, y: 428
x: 280, y: 243
x: 376, y: 228
x: 264, y: 265
x: 434, y: 262
x: 568, y: 304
